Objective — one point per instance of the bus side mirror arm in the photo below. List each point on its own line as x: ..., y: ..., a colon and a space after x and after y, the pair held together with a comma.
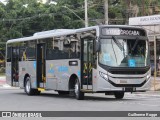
x: 97, y: 46
x: 96, y: 50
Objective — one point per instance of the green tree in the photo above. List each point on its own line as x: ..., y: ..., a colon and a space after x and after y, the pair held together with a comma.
x: 21, y: 18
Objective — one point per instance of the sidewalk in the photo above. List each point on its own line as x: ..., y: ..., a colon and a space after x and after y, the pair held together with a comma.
x: 3, y: 83
x: 155, y: 85
x: 2, y: 80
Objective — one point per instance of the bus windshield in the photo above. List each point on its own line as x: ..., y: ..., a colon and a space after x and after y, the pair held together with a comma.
x: 124, y: 52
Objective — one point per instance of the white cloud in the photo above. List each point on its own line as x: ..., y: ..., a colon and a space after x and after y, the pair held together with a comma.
x: 4, y: 1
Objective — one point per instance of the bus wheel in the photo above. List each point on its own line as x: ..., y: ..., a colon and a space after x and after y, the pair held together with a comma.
x: 119, y: 95
x: 28, y: 88
x: 78, y: 94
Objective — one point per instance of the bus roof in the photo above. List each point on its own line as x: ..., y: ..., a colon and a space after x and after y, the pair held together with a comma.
x: 45, y: 34
x: 60, y: 32
x: 52, y: 31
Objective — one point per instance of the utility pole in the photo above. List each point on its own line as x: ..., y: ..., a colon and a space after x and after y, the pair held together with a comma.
x: 128, y: 11
x: 143, y: 8
x: 106, y: 11
x: 86, y: 13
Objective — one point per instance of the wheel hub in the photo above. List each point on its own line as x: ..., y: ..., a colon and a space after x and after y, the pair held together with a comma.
x: 28, y: 86
x: 76, y: 89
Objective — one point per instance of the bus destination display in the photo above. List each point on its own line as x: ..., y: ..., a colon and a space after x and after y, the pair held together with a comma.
x: 118, y: 31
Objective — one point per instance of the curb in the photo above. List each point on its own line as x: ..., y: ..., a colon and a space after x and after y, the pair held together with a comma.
x: 3, y: 78
x: 5, y: 86
x: 9, y: 88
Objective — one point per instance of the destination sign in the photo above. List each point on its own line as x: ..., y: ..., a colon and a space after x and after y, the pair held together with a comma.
x: 119, y: 31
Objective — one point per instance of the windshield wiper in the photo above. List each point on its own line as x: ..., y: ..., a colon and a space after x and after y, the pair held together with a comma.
x: 135, y: 44
x: 118, y: 43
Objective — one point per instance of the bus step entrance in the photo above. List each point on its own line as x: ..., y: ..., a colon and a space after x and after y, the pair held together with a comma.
x: 41, y: 89
x: 42, y: 85
x: 87, y: 90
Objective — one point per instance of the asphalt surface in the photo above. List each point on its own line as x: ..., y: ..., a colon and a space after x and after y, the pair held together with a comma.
x: 14, y: 99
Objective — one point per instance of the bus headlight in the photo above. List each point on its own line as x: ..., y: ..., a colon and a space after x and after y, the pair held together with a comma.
x: 103, y: 75
x: 148, y: 76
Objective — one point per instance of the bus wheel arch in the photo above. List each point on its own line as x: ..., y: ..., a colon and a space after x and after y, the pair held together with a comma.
x: 74, y: 84
x: 72, y: 81
x: 27, y: 86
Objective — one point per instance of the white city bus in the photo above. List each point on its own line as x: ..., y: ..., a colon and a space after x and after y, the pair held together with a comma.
x: 108, y: 59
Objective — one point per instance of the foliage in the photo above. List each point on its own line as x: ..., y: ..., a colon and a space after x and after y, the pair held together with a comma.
x: 20, y: 18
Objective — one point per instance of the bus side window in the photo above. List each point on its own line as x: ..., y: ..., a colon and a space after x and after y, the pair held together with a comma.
x: 62, y: 48
x: 28, y: 52
x: 71, y: 47
x: 24, y: 56
x: 52, y: 49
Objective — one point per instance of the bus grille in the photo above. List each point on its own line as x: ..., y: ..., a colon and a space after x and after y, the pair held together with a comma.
x: 128, y: 72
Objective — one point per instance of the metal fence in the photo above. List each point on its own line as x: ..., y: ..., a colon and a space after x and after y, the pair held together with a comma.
x: 2, y: 57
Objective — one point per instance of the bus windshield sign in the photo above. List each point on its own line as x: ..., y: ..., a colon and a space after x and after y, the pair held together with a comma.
x: 119, y: 31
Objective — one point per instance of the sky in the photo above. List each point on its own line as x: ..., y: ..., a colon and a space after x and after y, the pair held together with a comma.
x: 3, y: 1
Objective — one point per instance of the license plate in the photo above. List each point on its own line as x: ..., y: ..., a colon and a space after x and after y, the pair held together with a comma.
x: 123, y: 81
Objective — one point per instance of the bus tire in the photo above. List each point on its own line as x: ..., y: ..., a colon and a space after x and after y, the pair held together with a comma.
x: 36, y: 92
x: 28, y: 88
x: 119, y: 95
x: 78, y: 94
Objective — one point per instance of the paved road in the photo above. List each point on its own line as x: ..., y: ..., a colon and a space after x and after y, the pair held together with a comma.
x: 13, y: 99
x: 16, y: 99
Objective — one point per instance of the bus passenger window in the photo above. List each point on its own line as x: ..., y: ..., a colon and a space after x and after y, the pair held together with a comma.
x: 24, y: 57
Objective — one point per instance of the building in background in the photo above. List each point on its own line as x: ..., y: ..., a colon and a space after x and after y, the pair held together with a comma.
x: 152, y: 25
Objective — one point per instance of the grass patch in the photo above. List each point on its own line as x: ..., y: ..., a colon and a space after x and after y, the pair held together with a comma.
x: 2, y: 74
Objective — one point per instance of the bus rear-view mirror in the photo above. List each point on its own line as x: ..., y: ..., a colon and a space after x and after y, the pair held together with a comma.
x: 97, y: 46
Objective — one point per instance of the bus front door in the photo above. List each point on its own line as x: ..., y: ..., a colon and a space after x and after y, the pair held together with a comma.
x: 86, y: 64
x: 41, y: 65
x: 14, y: 66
